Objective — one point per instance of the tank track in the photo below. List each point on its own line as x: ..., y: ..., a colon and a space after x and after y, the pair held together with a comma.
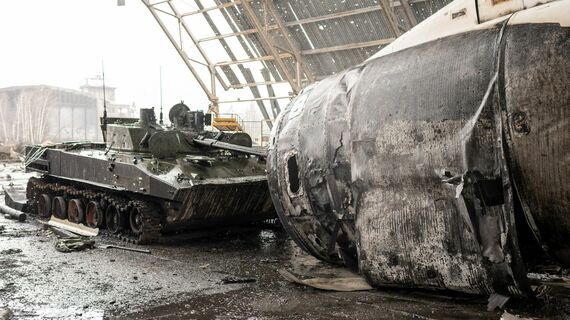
x: 150, y: 230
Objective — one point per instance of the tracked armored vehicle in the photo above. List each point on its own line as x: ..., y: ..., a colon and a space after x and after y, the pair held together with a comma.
x: 148, y: 178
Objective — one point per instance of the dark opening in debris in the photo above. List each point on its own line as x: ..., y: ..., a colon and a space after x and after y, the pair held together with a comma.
x: 293, y: 171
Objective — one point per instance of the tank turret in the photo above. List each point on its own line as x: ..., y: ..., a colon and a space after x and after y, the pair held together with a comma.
x: 185, y: 136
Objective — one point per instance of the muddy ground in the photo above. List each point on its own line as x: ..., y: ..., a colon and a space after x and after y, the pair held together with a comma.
x: 185, y: 277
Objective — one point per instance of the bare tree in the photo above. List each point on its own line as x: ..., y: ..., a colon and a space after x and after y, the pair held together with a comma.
x: 4, y: 106
x: 29, y: 115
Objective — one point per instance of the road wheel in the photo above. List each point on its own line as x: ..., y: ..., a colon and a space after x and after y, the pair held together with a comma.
x: 59, y: 208
x: 75, y: 211
x: 44, y: 206
x: 94, y: 216
x: 114, y: 219
x: 136, y: 221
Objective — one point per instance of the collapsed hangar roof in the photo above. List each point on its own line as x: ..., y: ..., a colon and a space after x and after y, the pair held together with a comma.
x: 335, y: 35
x: 273, y: 46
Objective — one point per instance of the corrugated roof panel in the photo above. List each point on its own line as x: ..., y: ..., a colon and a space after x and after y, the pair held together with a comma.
x: 320, y: 28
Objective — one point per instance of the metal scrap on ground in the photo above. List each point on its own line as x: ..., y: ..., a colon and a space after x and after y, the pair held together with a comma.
x: 73, y: 227
x: 12, y: 214
x: 109, y: 246
x: 235, y: 279
x: 348, y: 284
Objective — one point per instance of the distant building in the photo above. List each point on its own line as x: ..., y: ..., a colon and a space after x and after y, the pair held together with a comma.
x: 40, y: 113
x: 94, y: 88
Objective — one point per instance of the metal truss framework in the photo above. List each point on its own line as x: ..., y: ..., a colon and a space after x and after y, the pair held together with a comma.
x: 264, y: 39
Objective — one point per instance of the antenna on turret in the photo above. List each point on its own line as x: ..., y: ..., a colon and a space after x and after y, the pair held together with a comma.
x: 104, y: 103
x: 161, y: 122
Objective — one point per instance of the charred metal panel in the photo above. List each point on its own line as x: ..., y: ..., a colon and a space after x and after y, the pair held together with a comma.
x: 401, y: 165
x: 537, y: 109
x: 432, y: 211
x: 222, y: 204
x: 320, y: 212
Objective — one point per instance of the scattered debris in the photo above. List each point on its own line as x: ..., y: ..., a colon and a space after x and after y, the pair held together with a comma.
x: 496, y: 301
x: 509, y: 316
x: 6, y: 314
x: 549, y: 279
x: 550, y: 268
x: 108, y: 246
x: 235, y: 279
x: 74, y: 244
x: 15, y: 196
x: 8, y: 152
x: 269, y: 261
x: 12, y: 214
x: 11, y: 251
x: 331, y: 284
x: 542, y: 292
x: 63, y: 233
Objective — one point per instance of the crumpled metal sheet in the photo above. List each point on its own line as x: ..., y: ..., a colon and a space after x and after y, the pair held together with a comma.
x: 399, y: 166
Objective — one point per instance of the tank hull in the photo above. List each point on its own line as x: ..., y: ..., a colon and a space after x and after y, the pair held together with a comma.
x: 415, y: 164
x: 189, y: 192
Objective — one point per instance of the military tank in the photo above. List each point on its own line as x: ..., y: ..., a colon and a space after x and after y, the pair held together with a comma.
x: 147, y: 178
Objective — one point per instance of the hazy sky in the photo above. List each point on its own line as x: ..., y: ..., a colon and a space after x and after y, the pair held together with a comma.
x: 62, y: 42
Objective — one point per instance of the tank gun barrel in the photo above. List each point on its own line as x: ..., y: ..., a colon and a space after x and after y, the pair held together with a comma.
x: 212, y: 143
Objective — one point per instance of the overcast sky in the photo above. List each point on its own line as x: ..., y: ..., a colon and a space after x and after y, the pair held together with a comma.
x: 62, y: 42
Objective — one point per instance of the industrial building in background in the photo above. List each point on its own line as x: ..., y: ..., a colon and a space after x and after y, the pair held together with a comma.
x: 40, y: 113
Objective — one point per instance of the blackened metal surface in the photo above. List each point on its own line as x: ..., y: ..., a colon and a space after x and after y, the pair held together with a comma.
x: 537, y: 109
x: 221, y: 204
x: 311, y: 213
x: 402, y: 166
